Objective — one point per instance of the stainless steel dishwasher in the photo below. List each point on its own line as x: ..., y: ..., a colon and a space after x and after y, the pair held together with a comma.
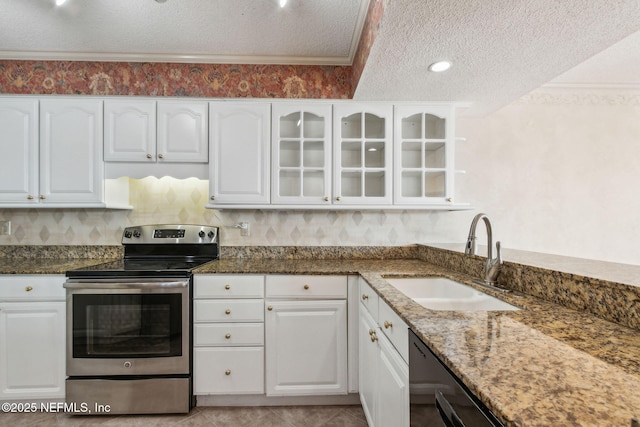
x: 436, y: 395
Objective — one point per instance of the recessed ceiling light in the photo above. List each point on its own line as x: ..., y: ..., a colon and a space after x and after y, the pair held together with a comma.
x: 60, y: 2
x: 282, y: 3
x: 440, y: 66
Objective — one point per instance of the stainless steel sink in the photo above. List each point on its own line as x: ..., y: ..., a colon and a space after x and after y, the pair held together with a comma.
x: 439, y: 293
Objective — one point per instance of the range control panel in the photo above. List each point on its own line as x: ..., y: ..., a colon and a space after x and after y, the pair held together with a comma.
x: 170, y: 233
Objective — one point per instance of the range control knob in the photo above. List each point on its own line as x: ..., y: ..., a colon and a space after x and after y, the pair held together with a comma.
x: 201, y: 234
x: 211, y: 234
x: 127, y: 234
x: 136, y: 234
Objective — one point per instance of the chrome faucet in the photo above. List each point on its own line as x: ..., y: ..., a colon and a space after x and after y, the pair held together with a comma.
x: 493, y: 266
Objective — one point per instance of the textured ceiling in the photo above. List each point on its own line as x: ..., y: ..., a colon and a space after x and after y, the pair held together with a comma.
x: 500, y: 49
x: 216, y: 31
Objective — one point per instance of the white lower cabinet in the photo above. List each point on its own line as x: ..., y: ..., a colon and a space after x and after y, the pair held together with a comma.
x: 383, y: 372
x: 228, y: 334
x: 32, y: 337
x: 306, y: 335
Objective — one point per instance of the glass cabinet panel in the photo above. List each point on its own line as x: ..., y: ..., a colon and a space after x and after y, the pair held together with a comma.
x: 424, y: 155
x: 362, y: 155
x: 301, y: 154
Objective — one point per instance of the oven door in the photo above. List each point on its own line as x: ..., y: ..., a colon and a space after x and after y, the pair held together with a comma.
x: 127, y: 327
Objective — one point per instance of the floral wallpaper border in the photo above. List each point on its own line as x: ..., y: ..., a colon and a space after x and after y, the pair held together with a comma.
x: 169, y: 79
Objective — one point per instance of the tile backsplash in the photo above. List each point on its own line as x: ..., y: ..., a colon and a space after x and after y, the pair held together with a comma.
x: 167, y: 200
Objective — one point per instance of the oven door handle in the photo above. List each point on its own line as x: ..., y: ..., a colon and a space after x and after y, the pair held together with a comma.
x: 126, y: 285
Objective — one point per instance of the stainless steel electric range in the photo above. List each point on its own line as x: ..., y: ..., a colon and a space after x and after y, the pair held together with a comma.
x: 129, y: 323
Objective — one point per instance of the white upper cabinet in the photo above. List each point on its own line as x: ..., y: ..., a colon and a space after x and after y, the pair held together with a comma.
x: 362, y: 154
x: 183, y: 132
x: 156, y: 131
x: 301, y: 154
x: 240, y: 152
x: 424, y: 151
x: 19, y: 148
x: 129, y: 131
x: 71, y: 166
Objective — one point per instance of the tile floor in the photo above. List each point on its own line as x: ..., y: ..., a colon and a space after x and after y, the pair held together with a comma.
x: 274, y: 416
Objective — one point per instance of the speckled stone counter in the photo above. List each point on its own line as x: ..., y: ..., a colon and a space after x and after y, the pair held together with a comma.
x: 43, y: 266
x: 541, y: 366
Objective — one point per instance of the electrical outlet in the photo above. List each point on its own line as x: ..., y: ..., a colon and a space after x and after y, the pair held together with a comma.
x: 5, y: 228
x: 244, y: 229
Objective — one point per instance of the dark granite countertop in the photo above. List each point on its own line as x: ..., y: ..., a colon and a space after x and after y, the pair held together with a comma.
x: 540, y: 366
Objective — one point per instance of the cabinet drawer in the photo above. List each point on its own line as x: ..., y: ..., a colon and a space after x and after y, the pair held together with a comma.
x: 368, y: 297
x: 228, y: 286
x: 247, y: 310
x: 231, y: 370
x: 307, y: 287
x: 32, y: 287
x: 228, y: 334
x: 394, y: 328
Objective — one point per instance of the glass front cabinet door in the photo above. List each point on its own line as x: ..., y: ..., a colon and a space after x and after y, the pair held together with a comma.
x: 301, y: 156
x: 424, y: 152
x: 362, y: 154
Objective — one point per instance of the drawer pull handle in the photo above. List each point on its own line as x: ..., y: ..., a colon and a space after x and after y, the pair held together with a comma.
x: 227, y: 372
x: 28, y: 288
x: 365, y: 297
x: 227, y: 287
x: 306, y: 286
x: 270, y: 308
x: 388, y: 325
x: 228, y: 336
x: 227, y: 311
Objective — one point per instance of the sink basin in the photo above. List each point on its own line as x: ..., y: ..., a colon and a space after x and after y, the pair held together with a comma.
x: 439, y: 293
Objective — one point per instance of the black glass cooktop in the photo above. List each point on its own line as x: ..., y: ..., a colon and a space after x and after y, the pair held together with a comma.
x: 138, y: 268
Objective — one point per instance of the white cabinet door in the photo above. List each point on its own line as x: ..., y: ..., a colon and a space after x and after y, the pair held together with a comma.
x: 362, y: 153
x: 392, y: 407
x: 301, y: 154
x: 129, y: 131
x: 32, y: 350
x: 19, y: 148
x: 368, y: 365
x: 424, y: 154
x: 71, y: 167
x: 240, y: 156
x: 183, y: 132
x: 306, y: 347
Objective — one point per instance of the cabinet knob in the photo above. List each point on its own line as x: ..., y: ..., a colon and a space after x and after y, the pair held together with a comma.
x: 371, y: 332
x: 270, y: 308
x: 388, y: 325
x: 374, y: 337
x: 29, y: 197
x: 149, y: 156
x: 227, y: 311
x: 227, y: 287
x: 449, y: 199
x: 228, y: 336
x: 212, y: 197
x: 326, y: 199
x: 338, y: 198
x: 28, y: 288
x: 227, y: 372
x: 365, y: 297
x: 306, y: 287
x: 42, y: 197
x: 161, y: 156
